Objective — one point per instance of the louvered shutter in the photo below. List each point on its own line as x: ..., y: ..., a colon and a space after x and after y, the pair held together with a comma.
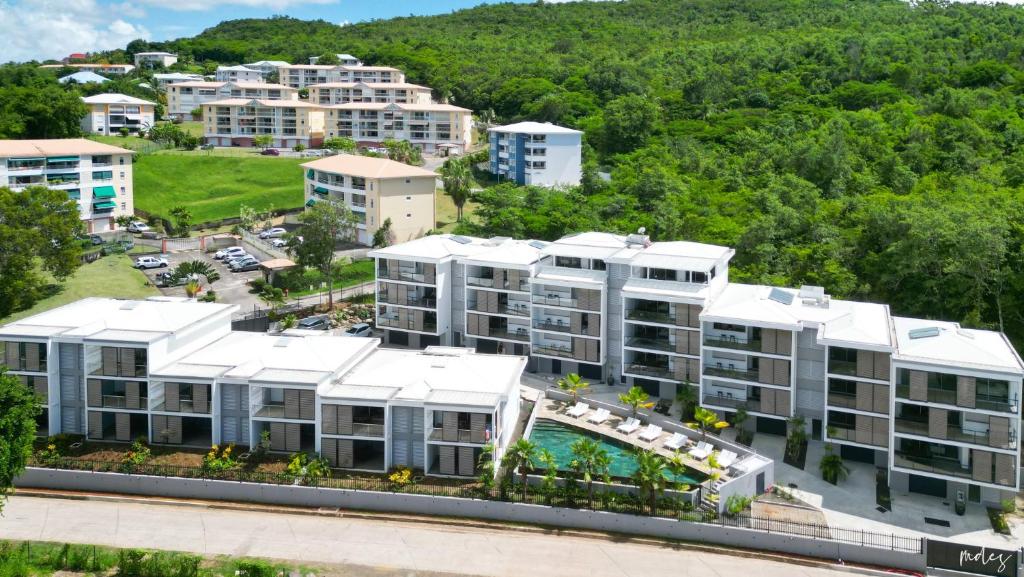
x: 201, y: 398
x: 291, y: 403
x: 307, y: 405
x: 122, y: 427
x: 466, y: 465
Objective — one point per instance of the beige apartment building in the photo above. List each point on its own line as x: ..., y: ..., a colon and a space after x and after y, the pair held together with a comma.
x: 430, y: 127
x: 344, y: 92
x: 184, y: 97
x: 303, y: 75
x: 237, y: 121
x: 375, y: 189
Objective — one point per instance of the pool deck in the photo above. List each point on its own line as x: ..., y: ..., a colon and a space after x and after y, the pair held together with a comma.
x: 555, y: 410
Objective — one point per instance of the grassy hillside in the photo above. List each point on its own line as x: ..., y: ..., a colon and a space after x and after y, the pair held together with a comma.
x: 214, y: 187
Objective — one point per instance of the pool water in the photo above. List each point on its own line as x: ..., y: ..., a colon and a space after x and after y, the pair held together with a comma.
x: 558, y: 439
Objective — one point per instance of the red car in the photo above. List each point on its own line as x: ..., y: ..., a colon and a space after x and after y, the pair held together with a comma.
x: 270, y: 152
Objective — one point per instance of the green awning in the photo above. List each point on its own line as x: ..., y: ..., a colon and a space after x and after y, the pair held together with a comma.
x: 311, y: 202
x: 321, y: 190
x: 105, y: 205
x: 103, y: 192
x: 62, y: 159
x: 310, y: 173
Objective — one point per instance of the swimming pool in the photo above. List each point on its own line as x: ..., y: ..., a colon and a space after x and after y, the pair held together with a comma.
x: 558, y: 439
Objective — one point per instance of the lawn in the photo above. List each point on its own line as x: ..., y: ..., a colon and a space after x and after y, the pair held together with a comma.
x: 352, y: 274
x: 445, y: 211
x: 214, y: 187
x: 110, y: 276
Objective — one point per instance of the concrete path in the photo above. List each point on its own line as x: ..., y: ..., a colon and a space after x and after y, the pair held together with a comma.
x: 381, y: 544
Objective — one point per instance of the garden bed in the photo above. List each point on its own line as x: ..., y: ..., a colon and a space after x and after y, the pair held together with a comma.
x: 800, y: 460
x: 998, y: 520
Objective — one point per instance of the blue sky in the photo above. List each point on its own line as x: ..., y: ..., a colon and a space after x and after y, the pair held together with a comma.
x: 41, y: 29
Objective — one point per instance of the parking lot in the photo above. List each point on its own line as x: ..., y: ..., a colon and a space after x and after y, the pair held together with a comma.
x: 231, y: 287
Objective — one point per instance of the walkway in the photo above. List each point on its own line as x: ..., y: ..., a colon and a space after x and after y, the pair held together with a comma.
x: 380, y: 544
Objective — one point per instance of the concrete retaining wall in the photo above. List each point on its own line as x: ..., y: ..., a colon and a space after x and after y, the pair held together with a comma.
x: 459, y: 507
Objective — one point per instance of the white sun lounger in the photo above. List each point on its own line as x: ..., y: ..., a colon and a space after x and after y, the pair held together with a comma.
x: 701, y: 451
x: 651, y: 433
x: 579, y: 410
x: 599, y: 416
x: 726, y: 459
x: 628, y: 426
x: 676, y: 441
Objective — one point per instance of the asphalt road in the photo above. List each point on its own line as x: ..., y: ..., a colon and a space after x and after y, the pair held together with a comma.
x: 369, y: 546
x: 231, y: 287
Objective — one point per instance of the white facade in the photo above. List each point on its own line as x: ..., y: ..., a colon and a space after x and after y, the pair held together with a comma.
x: 184, y: 97
x: 111, y: 69
x: 303, y: 75
x: 343, y: 59
x: 150, y: 59
x: 536, y: 153
x: 98, y: 176
x: 344, y: 92
x: 109, y: 113
x: 427, y: 126
x: 266, y: 67
x: 237, y: 74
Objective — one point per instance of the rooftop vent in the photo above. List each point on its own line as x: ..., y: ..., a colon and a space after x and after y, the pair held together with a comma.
x: 924, y: 333
x: 539, y: 245
x: 461, y: 239
x: 497, y: 241
x: 780, y: 296
x: 814, y: 296
x: 639, y: 238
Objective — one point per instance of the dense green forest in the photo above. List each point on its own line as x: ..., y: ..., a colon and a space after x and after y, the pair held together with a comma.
x: 873, y: 147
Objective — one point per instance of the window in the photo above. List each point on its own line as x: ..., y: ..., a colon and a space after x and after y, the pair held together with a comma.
x: 103, y: 175
x: 598, y: 265
x: 408, y: 215
x: 842, y: 387
x: 992, y: 390
x: 568, y: 262
x: 842, y: 354
x: 661, y: 274
x: 698, y: 277
x: 407, y: 181
x: 122, y: 174
x: 842, y: 420
x: 730, y: 327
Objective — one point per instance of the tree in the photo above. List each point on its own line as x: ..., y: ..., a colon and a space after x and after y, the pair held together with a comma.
x: 589, y: 461
x: 182, y: 221
x: 192, y: 270
x: 521, y: 455
x: 707, y: 420
x: 322, y: 226
x: 197, y: 113
x: 686, y: 396
x: 651, y: 476
x: 383, y: 236
x: 328, y: 58
x: 635, y: 398
x: 572, y: 384
x: 831, y: 466
x: 253, y: 220
x: 124, y: 220
x: 262, y: 141
x: 272, y: 296
x: 457, y: 179
x: 17, y: 430
x: 796, y: 437
x: 629, y: 121
x: 550, y: 483
x: 38, y: 233
x: 339, y: 144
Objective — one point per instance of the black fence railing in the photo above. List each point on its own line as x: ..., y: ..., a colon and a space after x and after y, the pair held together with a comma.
x: 572, y: 495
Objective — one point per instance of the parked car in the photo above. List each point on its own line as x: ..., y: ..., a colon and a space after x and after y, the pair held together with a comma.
x: 231, y: 251
x: 150, y: 262
x: 315, y: 323
x: 232, y: 261
x: 279, y: 243
x: 359, y: 330
x: 166, y: 279
x: 138, y: 226
x: 95, y: 239
x: 246, y: 265
x: 276, y: 232
x: 245, y: 261
x: 271, y: 152
x: 206, y: 147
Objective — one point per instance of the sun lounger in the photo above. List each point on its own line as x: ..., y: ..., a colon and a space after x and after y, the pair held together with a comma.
x: 651, y: 433
x: 579, y: 410
x: 628, y: 426
x: 676, y: 441
x: 599, y: 416
x: 701, y: 451
x: 726, y: 459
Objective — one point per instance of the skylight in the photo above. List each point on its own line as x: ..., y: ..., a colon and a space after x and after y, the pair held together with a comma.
x: 537, y: 244
x: 462, y: 239
x: 924, y: 333
x: 781, y: 296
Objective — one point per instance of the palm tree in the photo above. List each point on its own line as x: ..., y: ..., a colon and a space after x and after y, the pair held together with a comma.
x: 589, y: 461
x: 521, y: 455
x: 572, y: 384
x: 193, y: 288
x: 485, y: 462
x: 635, y: 399
x: 550, y: 483
x: 677, y: 466
x: 651, y: 476
x: 687, y: 398
x: 797, y: 436
x: 193, y: 269
x: 832, y: 468
x: 707, y: 420
x: 457, y: 179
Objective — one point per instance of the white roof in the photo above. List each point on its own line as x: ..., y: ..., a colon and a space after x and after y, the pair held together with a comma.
x: 599, y: 245
x: 112, y: 98
x: 262, y: 357
x: 235, y: 68
x: 171, y: 76
x: 856, y: 324
x: 433, y: 248
x: 83, y: 77
x: 276, y: 63
x: 534, y: 128
x: 437, y: 375
x: 673, y: 291
x: 955, y: 346
x: 117, y: 320
x: 504, y: 252
x: 155, y: 54
x: 368, y: 167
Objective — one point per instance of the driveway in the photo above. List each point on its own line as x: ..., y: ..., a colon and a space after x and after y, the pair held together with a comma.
x: 231, y: 288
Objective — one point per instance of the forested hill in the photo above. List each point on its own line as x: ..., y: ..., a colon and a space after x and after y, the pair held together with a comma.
x: 872, y: 147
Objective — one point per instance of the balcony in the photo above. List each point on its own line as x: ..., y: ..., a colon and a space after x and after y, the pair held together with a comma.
x: 270, y: 411
x: 185, y: 406
x: 842, y: 400
x: 661, y: 372
x: 727, y: 400
x: 559, y: 326
x: 366, y: 430
x: 652, y: 344
x: 945, y: 397
x: 555, y: 301
x: 947, y: 467
x: 734, y: 343
x: 512, y: 309
x: 487, y: 282
x: 463, y: 436
x: 119, y: 402
x: 848, y: 368
x: 953, y: 433
x: 651, y: 316
x: 518, y: 334
x: 564, y: 352
x: 739, y: 374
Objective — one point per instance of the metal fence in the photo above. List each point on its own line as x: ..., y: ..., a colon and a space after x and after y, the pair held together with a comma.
x: 574, y: 495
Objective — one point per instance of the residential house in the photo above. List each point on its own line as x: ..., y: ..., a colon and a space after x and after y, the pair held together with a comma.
x: 154, y: 59
x: 237, y: 74
x: 109, y: 113
x: 110, y: 69
x: 343, y: 59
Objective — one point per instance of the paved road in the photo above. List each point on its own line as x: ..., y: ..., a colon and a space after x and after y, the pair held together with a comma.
x: 388, y: 545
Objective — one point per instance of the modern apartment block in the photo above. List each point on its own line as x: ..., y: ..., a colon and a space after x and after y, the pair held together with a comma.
x: 344, y: 92
x: 98, y: 176
x: 173, y: 371
x: 110, y: 69
x: 303, y: 75
x: 430, y: 127
x: 165, y: 78
x: 537, y: 153
x: 237, y: 121
x: 237, y: 74
x: 266, y: 67
x: 152, y: 59
x: 184, y: 97
x: 375, y: 189
x: 109, y: 113
x: 343, y: 59
x: 936, y: 405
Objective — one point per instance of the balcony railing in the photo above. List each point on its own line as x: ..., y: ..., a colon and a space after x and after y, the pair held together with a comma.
x: 753, y: 345
x: 564, y: 352
x: 367, y: 430
x: 485, y: 282
x: 514, y: 309
x: 184, y: 406
x: 560, y: 327
x: 848, y: 368
x: 949, y: 398
x: 654, y: 344
x: 462, y: 436
x: 948, y: 467
x: 842, y: 400
x: 651, y: 316
x: 555, y: 301
x: 519, y: 334
x: 120, y: 402
x: 727, y: 400
x: 403, y: 274
x: 740, y: 374
x: 953, y: 433
x: 659, y: 371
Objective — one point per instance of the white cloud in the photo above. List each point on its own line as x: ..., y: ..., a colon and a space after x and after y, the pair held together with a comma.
x: 197, y: 5
x: 42, y: 29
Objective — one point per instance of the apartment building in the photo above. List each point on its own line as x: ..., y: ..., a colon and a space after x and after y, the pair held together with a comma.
x: 83, y: 78
x: 109, y: 113
x: 375, y: 189
x: 184, y: 97
x: 429, y: 127
x: 165, y: 78
x: 237, y: 74
x: 98, y: 176
x: 344, y: 92
x: 304, y: 75
x: 237, y: 121
x: 936, y: 405
x: 110, y: 69
x: 537, y: 153
x: 343, y: 59
x: 172, y: 370
x: 266, y: 67
x: 152, y: 59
